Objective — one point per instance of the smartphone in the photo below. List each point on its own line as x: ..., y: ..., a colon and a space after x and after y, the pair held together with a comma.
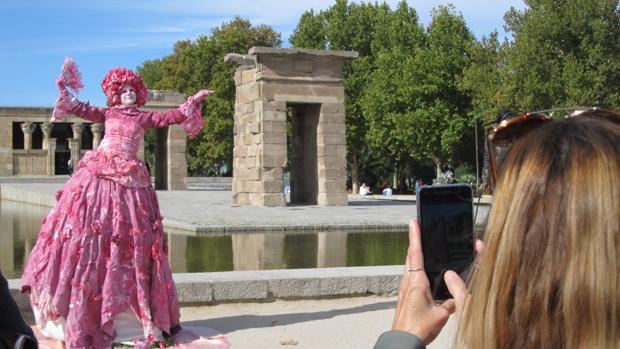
x: 445, y: 213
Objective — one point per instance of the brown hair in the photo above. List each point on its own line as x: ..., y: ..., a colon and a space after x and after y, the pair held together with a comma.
x: 550, y: 275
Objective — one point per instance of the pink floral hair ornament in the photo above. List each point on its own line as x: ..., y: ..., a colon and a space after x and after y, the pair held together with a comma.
x: 119, y: 77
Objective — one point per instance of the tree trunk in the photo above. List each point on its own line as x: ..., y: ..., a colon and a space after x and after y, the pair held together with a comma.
x: 438, y: 164
x: 355, y: 165
x: 395, y: 180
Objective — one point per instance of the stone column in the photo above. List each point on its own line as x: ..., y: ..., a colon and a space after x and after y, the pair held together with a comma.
x: 332, y: 154
x: 46, y: 129
x: 97, y: 130
x: 77, y: 131
x: 51, y: 157
x: 6, y: 146
x: 177, y: 162
x: 75, y: 144
x: 27, y: 128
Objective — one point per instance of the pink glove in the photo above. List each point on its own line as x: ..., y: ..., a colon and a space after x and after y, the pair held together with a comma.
x: 192, y: 110
x: 65, y: 103
x: 60, y: 84
x: 202, y: 94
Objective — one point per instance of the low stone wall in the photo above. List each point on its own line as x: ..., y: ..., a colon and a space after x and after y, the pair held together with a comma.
x: 268, y: 285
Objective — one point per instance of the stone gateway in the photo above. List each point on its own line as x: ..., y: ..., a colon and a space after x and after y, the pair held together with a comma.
x: 289, y: 127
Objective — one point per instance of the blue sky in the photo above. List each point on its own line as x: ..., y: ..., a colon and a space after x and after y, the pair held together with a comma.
x: 36, y: 35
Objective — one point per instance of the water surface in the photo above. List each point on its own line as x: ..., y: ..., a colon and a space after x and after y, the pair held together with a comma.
x: 19, y: 227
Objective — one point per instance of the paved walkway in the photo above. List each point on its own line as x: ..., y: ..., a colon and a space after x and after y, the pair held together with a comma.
x: 199, y: 211
x: 343, y: 323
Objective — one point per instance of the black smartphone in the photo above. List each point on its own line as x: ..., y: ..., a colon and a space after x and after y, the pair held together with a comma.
x: 445, y: 213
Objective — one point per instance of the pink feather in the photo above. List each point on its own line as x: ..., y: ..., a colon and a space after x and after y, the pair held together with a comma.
x: 71, y: 76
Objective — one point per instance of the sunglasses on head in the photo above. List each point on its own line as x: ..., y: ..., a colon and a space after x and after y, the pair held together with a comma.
x: 512, y: 127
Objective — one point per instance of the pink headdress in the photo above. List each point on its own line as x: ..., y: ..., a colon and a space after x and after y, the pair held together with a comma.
x: 119, y: 77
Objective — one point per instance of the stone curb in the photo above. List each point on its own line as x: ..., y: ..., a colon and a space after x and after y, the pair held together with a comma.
x: 268, y: 285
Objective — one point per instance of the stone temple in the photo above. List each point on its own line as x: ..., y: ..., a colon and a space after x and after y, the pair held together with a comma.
x: 289, y: 127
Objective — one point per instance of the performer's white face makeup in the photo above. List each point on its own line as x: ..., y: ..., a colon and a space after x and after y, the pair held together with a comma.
x: 128, y: 95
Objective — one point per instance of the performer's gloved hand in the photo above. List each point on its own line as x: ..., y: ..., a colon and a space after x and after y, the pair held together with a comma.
x: 67, y: 100
x: 60, y: 84
x: 202, y: 94
x: 65, y: 103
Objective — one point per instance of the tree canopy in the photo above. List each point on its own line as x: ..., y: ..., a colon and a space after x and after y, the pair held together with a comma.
x: 416, y: 93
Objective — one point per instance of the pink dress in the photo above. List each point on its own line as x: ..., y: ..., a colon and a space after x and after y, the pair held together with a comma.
x: 101, y: 251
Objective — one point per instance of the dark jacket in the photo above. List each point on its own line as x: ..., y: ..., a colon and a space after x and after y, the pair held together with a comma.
x: 12, y: 324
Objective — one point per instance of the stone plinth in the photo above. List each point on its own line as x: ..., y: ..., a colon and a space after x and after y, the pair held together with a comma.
x: 304, y: 88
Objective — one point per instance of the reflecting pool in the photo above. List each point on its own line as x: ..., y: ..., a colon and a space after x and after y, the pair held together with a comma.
x: 19, y: 226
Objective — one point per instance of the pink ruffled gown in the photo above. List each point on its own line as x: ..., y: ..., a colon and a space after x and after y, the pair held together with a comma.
x: 101, y: 251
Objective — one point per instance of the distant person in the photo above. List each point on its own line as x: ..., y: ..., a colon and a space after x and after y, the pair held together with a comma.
x: 387, y: 191
x: 364, y: 189
x: 550, y: 273
x: 70, y: 167
x: 418, y: 185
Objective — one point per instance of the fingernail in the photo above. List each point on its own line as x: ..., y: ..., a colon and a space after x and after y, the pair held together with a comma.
x: 450, y: 274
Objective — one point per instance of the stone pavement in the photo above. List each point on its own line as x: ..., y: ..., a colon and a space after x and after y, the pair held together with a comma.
x: 341, y: 323
x: 202, y: 211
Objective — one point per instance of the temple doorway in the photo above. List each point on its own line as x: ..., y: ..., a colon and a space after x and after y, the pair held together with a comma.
x: 303, y: 121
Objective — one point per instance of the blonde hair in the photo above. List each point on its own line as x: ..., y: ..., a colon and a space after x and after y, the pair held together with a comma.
x: 550, y: 274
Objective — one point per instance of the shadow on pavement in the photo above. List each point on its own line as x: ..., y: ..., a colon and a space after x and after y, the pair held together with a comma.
x: 242, y: 322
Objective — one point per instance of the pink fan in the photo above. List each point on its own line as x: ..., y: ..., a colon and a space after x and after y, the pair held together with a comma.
x: 70, y: 76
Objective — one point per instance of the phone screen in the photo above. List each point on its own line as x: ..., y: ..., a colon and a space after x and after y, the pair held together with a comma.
x: 445, y: 213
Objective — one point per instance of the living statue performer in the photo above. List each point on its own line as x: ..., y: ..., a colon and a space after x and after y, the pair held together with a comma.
x: 99, y: 270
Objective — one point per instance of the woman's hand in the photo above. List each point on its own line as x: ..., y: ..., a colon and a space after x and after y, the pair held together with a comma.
x: 202, y: 94
x: 416, y: 311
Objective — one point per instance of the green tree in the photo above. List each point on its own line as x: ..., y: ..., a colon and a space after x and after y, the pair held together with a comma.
x: 485, y: 79
x: 414, y: 105
x: 344, y: 26
x: 199, y: 64
x: 368, y: 29
x: 564, y: 53
x: 310, y: 31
